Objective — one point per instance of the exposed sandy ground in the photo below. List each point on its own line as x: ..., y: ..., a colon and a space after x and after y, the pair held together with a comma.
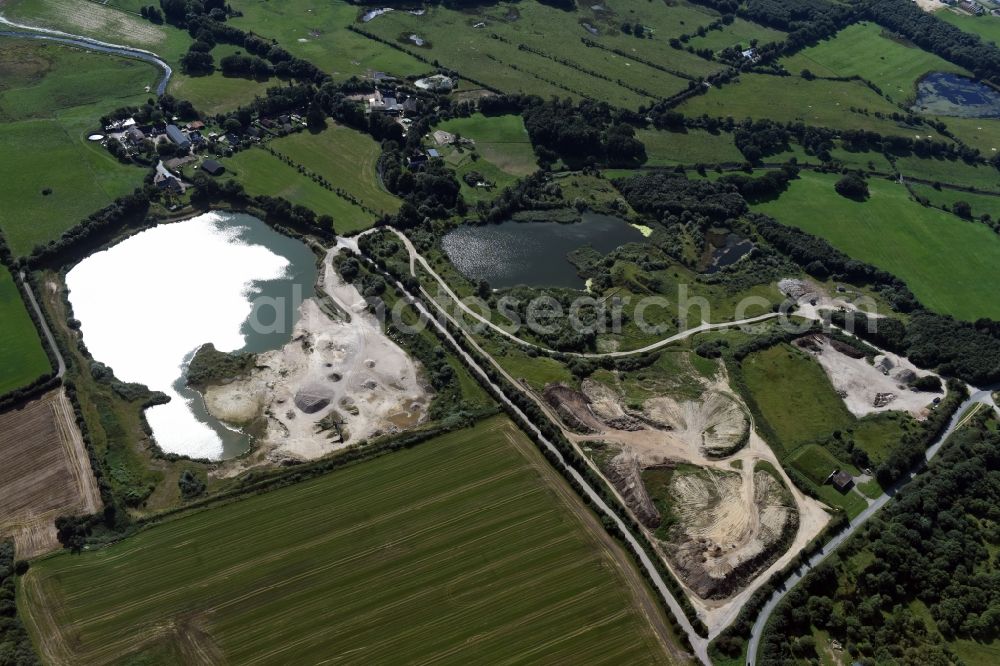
x: 930, y: 6
x: 724, y: 520
x: 348, y: 371
x: 743, y: 520
x: 45, y: 473
x: 865, y: 388
x: 812, y: 298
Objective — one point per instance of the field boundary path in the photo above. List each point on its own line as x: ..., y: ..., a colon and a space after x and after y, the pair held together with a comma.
x: 978, y: 397
x: 49, y: 338
x: 24, y: 31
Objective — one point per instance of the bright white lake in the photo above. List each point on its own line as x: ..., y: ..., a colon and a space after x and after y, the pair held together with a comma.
x: 148, y: 303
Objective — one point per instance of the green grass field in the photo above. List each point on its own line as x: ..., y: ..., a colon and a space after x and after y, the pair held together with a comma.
x: 22, y: 358
x: 797, y: 402
x: 981, y: 133
x: 950, y: 264
x: 103, y: 22
x: 462, y: 550
x: 262, y: 173
x: 955, y: 172
x: 316, y: 31
x: 501, y: 140
x: 739, y: 32
x: 455, y: 41
x: 690, y: 147
x: 818, y: 102
x: 51, y: 99
x: 863, y: 50
x: 345, y: 157
x: 987, y: 27
x: 981, y: 203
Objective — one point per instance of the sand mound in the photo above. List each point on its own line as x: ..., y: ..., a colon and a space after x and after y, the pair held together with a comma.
x: 716, y: 425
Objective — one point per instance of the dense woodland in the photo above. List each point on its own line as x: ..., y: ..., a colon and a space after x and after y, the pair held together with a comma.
x: 920, y: 574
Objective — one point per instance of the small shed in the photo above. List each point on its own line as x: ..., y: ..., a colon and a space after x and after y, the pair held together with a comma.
x: 213, y: 168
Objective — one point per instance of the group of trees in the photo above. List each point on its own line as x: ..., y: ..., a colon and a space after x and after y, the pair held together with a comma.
x: 15, y: 644
x: 583, y: 133
x: 930, y: 546
x: 661, y: 194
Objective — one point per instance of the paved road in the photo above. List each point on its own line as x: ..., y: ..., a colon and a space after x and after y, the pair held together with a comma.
x: 25, y: 31
x: 61, y: 370
x: 979, y: 396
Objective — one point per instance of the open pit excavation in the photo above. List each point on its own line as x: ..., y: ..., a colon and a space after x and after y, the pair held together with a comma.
x: 705, y: 487
x: 339, y: 380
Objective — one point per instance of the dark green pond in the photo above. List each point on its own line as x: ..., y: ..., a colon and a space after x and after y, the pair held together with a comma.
x: 533, y: 253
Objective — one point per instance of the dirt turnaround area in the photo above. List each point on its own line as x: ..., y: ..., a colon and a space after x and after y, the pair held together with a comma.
x: 338, y: 381
x: 45, y: 473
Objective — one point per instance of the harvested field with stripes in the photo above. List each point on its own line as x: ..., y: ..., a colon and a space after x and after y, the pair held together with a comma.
x: 45, y: 473
x: 465, y: 548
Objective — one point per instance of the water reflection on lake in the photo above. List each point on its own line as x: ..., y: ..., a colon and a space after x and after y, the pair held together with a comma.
x: 533, y: 253
x: 946, y: 94
x: 148, y: 303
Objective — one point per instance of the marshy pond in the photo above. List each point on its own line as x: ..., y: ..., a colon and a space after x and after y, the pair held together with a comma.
x: 947, y: 94
x: 148, y: 303
x: 533, y: 253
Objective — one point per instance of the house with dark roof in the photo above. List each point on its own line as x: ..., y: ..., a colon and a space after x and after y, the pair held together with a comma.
x: 213, y: 168
x: 841, y: 480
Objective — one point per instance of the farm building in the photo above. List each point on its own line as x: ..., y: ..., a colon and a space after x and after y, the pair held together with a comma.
x: 177, y: 136
x: 213, y: 168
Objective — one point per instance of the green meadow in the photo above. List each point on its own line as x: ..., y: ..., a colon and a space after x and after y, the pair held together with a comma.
x: 345, y: 157
x: 864, y: 50
x: 550, y: 62
x: 738, y: 33
x: 467, y: 548
x: 51, y: 97
x: 262, y: 173
x: 838, y: 104
x: 690, y: 147
x: 22, y: 358
x: 316, y: 30
x: 952, y: 265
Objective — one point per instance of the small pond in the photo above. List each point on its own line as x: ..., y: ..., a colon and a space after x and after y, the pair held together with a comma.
x: 533, y: 253
x: 148, y: 303
x: 725, y: 249
x: 946, y: 94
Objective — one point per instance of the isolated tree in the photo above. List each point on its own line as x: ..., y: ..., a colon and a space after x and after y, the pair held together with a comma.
x: 852, y: 186
x: 962, y: 209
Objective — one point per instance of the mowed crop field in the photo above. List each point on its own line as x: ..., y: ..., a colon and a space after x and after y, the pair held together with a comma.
x: 22, y: 358
x: 554, y: 61
x: 952, y: 265
x: 462, y: 550
x: 345, y: 157
x: 838, y: 104
x: 263, y: 173
x: 864, y: 50
x: 51, y: 98
x: 45, y: 474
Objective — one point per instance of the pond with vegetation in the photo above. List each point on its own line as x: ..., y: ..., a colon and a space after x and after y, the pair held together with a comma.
x: 533, y: 253
x: 947, y: 94
x: 148, y: 303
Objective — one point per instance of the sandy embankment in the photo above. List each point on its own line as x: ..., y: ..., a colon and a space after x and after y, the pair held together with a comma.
x: 347, y: 371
